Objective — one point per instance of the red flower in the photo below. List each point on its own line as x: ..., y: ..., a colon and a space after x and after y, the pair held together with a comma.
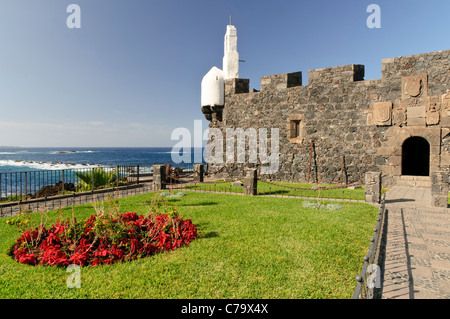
x: 143, y: 238
x: 96, y: 262
x: 134, y: 245
x: 79, y: 258
x: 101, y: 253
x: 53, y: 239
x: 27, y: 259
x: 117, y: 253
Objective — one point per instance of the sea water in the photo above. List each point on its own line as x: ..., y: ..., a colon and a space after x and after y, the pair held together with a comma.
x: 32, y: 159
x: 47, y: 164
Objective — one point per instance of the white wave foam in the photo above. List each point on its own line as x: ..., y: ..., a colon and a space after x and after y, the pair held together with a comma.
x: 71, y: 152
x: 46, y: 165
x: 46, y: 152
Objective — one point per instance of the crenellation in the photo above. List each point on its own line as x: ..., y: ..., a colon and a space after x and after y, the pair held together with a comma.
x: 336, y: 75
x: 281, y: 81
x: 435, y: 64
x: 236, y: 86
x: 364, y: 123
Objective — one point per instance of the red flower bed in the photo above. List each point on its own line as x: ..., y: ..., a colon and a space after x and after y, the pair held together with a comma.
x: 103, y: 239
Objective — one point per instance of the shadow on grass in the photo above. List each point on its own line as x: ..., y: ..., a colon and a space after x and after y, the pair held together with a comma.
x: 204, y: 233
x: 200, y: 204
x: 263, y: 191
x: 167, y: 200
x: 210, y: 234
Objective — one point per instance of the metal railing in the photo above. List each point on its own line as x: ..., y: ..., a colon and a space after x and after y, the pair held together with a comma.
x: 28, y: 185
x: 369, y: 282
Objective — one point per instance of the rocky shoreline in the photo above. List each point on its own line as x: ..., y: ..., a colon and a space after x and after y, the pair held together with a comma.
x: 48, y: 165
x: 53, y: 190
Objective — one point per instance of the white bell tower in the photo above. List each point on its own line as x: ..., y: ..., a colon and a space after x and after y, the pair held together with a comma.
x: 213, y: 83
x: 231, y: 55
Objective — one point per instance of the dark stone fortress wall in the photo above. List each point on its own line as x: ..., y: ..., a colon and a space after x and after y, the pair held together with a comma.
x: 340, y: 126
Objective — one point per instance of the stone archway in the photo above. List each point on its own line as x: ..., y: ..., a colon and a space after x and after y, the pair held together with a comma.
x: 393, y: 150
x: 416, y: 156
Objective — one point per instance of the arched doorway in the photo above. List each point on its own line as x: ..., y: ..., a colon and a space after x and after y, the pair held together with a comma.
x: 416, y: 157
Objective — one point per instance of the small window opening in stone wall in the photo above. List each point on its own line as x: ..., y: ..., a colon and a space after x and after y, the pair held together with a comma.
x: 296, y: 128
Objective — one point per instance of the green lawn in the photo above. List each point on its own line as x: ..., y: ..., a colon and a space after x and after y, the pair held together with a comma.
x: 248, y: 248
x: 288, y: 189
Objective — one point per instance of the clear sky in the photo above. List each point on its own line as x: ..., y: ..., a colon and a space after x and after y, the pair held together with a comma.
x: 132, y: 73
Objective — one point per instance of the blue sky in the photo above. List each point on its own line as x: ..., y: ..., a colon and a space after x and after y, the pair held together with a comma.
x: 131, y: 74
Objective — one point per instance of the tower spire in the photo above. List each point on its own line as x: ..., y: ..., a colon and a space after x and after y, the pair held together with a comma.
x: 231, y: 55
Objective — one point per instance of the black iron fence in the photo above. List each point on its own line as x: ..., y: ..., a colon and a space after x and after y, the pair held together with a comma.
x: 36, y: 190
x: 369, y: 282
x: 23, y: 186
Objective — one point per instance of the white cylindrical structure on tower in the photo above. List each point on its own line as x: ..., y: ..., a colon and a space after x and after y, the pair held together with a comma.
x: 231, y: 55
x: 213, y: 88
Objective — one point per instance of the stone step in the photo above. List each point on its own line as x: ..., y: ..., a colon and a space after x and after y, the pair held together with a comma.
x: 415, y: 178
x: 414, y: 181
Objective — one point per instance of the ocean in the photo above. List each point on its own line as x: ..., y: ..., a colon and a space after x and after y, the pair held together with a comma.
x: 34, y: 159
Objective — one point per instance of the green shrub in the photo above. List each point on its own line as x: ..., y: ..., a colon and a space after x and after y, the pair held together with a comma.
x: 101, y: 179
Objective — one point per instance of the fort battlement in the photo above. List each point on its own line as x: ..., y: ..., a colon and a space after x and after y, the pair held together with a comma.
x: 433, y: 63
x: 336, y: 75
x: 340, y: 126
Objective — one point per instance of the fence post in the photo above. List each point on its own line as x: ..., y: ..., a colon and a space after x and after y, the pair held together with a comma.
x: 198, y: 173
x: 63, y: 182
x: 93, y: 186
x: 117, y: 176
x: 373, y: 187
x: 159, y: 177
x: 26, y: 185
x: 439, y: 189
x: 137, y: 168
x: 251, y: 182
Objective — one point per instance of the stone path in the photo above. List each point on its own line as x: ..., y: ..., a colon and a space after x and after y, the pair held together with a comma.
x: 417, y: 264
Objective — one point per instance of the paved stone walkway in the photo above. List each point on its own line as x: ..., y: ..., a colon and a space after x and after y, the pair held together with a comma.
x: 417, y: 264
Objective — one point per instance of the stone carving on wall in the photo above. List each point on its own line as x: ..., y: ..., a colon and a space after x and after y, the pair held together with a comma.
x: 399, y: 116
x: 382, y: 113
x: 414, y: 88
x: 416, y: 116
x: 434, y: 104
x: 446, y: 104
x: 445, y: 109
x: 415, y: 108
x: 432, y: 118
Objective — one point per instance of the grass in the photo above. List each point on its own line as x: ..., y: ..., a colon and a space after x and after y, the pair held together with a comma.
x: 13, y: 198
x: 287, y: 189
x: 248, y: 248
